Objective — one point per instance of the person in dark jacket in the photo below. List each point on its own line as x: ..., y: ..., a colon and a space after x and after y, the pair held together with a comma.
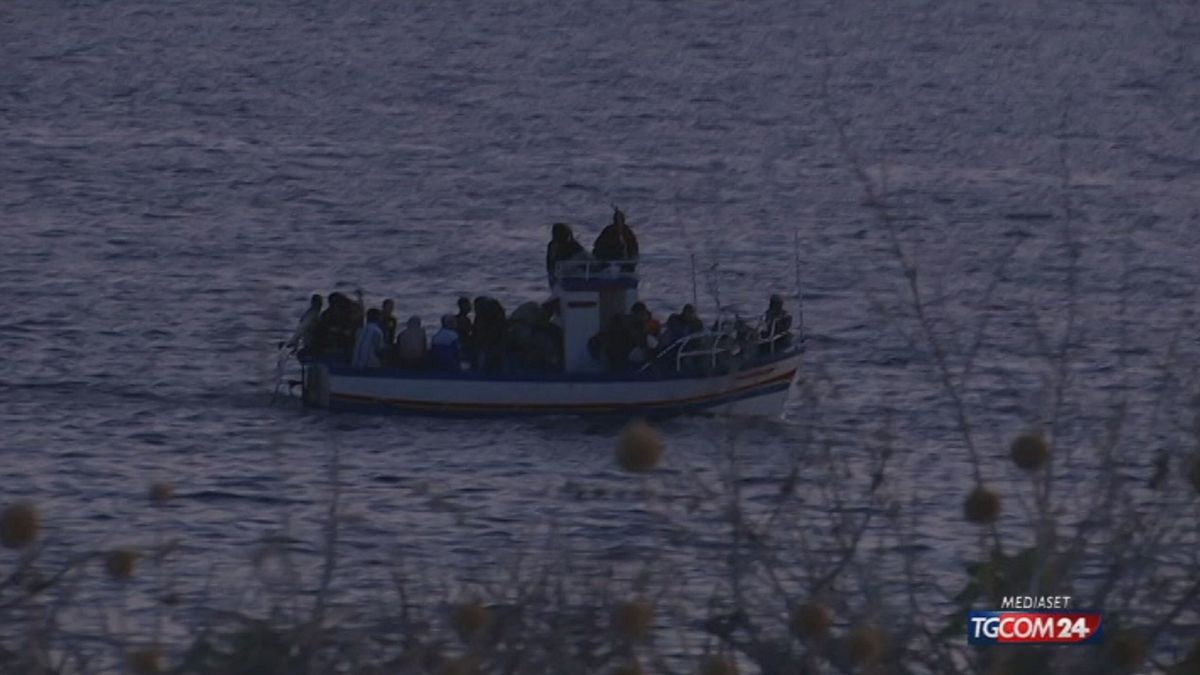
x: 777, y: 326
x: 465, y: 328
x: 692, y: 323
x: 335, y: 331
x: 562, y: 246
x: 490, y: 331
x: 387, y: 320
x: 626, y: 336
x: 672, y: 333
x: 412, y: 346
x: 302, y: 339
x: 462, y: 321
x: 616, y: 242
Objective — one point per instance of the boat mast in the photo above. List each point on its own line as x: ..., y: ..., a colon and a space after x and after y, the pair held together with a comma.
x: 695, y: 295
x: 799, y: 291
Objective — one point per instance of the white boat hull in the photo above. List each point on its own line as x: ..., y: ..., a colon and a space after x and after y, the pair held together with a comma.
x: 758, y: 390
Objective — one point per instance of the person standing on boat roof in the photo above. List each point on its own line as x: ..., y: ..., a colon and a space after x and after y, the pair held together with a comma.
x: 562, y: 246
x: 303, y: 337
x: 369, y: 345
x: 411, y: 344
x: 445, y: 349
x: 616, y: 242
x: 387, y: 320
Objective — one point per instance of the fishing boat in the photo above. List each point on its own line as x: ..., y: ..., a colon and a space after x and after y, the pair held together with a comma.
x: 735, y: 367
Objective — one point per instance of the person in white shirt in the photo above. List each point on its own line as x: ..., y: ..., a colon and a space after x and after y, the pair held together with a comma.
x: 369, y: 345
x: 446, y: 346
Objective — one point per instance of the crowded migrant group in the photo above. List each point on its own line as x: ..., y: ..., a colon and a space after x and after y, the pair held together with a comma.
x: 479, y: 336
x: 483, y: 337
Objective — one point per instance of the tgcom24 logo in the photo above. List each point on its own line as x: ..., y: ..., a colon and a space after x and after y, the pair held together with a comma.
x: 1034, y: 620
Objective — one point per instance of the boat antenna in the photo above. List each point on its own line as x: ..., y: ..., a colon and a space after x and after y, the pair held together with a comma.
x: 714, y: 283
x: 695, y: 296
x: 799, y: 287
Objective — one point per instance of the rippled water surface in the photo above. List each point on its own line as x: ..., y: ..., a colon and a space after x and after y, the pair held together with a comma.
x: 177, y: 177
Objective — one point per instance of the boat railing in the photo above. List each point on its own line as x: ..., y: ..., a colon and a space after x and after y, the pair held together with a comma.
x: 591, y: 269
x: 770, y: 338
x: 711, y: 344
x: 729, y: 337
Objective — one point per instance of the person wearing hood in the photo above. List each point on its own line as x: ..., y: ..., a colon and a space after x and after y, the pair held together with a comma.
x: 616, y: 242
x: 625, y: 339
x: 369, y: 345
x: 692, y: 323
x: 411, y: 344
x: 445, y: 349
x: 334, y: 334
x: 562, y: 246
x: 529, y: 341
x: 777, y: 326
x: 491, y: 332
x: 673, y: 332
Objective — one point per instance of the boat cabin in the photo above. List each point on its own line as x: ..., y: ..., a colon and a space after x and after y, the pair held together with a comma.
x: 589, y: 293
